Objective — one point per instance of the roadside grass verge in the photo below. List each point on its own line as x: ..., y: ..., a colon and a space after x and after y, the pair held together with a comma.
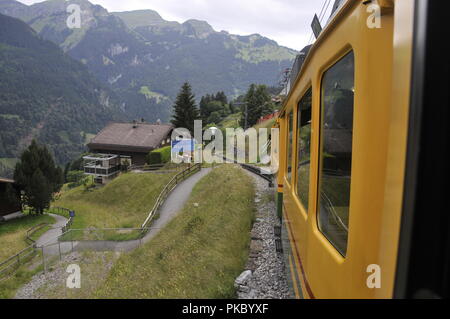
x: 102, y: 235
x: 123, y: 203
x: 13, y: 234
x: 13, y: 240
x: 200, y: 252
x: 37, y: 234
x: 23, y: 275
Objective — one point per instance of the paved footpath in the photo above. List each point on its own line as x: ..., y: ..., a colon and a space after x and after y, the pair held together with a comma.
x: 175, y: 203
x: 171, y: 207
x: 52, y: 234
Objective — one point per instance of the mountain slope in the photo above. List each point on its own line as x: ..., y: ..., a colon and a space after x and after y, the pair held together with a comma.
x: 47, y: 95
x: 135, y: 51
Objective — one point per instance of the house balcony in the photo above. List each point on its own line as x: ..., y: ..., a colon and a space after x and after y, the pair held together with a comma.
x: 101, y: 171
x: 102, y: 165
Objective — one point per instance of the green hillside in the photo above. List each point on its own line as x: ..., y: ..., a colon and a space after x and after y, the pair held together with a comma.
x: 131, y: 50
x: 123, y: 203
x: 46, y: 95
x: 198, y: 254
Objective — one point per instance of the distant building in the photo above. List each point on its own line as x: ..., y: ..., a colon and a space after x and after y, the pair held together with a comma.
x: 104, y: 167
x: 6, y: 207
x: 133, y: 140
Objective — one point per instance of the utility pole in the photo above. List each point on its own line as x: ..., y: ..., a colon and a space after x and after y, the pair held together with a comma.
x: 246, y: 116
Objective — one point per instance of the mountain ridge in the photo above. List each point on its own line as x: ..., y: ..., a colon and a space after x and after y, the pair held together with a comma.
x: 134, y: 49
x: 47, y: 95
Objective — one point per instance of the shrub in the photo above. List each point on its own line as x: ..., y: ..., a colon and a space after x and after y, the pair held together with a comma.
x: 159, y: 156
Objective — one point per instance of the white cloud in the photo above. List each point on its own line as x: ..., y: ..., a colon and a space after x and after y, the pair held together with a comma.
x: 285, y: 21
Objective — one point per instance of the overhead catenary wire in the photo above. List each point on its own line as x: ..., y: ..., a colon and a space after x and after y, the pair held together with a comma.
x: 323, y: 11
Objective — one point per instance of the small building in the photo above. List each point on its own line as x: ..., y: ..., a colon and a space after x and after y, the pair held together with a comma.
x: 134, y: 140
x: 104, y: 167
x: 9, y: 205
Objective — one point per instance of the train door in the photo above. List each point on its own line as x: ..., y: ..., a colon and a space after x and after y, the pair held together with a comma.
x: 423, y: 269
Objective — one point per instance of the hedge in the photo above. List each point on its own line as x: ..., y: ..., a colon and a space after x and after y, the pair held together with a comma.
x: 159, y: 156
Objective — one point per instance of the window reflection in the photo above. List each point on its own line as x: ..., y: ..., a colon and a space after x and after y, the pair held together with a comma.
x: 336, y: 152
x: 290, y: 137
x: 304, y: 148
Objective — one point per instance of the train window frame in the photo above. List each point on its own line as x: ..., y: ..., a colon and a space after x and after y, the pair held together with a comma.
x: 290, y: 140
x: 308, y: 91
x: 342, y: 250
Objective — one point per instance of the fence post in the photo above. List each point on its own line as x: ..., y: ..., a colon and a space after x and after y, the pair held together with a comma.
x: 43, y: 260
x: 59, y: 246
x: 18, y: 258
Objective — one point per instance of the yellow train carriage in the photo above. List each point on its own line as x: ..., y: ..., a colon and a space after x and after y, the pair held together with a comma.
x: 346, y: 141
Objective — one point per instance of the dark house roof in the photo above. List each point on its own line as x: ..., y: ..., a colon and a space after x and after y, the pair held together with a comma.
x: 129, y: 137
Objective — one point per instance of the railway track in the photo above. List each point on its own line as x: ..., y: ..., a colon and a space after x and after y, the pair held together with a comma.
x: 255, y: 170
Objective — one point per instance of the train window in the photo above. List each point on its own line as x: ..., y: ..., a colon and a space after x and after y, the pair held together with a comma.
x: 336, y: 151
x: 304, y: 147
x: 290, y: 138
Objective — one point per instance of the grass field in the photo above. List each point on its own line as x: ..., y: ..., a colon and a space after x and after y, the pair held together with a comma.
x: 231, y: 121
x: 267, y: 124
x: 23, y: 275
x: 13, y: 234
x: 13, y: 240
x: 123, y: 203
x: 200, y: 253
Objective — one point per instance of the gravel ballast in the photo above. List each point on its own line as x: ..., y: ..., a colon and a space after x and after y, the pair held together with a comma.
x: 265, y: 275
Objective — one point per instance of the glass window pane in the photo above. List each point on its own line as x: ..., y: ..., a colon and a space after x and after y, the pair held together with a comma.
x: 304, y: 148
x: 289, y: 157
x: 336, y: 151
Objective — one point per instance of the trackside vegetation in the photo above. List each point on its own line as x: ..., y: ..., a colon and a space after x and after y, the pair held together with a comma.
x: 123, y: 203
x: 200, y: 252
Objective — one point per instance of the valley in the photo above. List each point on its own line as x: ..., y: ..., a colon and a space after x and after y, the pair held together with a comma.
x: 118, y: 66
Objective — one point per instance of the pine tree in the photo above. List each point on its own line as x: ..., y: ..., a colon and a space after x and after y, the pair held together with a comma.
x: 250, y: 110
x: 221, y: 97
x: 38, y: 176
x: 185, y: 109
x: 264, y: 100
x: 257, y: 101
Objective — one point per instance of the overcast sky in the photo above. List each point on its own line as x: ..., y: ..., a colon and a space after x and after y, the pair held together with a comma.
x: 285, y: 21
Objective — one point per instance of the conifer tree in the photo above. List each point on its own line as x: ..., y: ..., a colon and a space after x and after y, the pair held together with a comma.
x: 257, y: 104
x: 185, y: 109
x: 38, y: 177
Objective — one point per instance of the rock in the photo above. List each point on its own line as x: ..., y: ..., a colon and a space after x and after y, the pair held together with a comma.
x: 244, y: 289
x: 243, y: 278
x: 256, y: 246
